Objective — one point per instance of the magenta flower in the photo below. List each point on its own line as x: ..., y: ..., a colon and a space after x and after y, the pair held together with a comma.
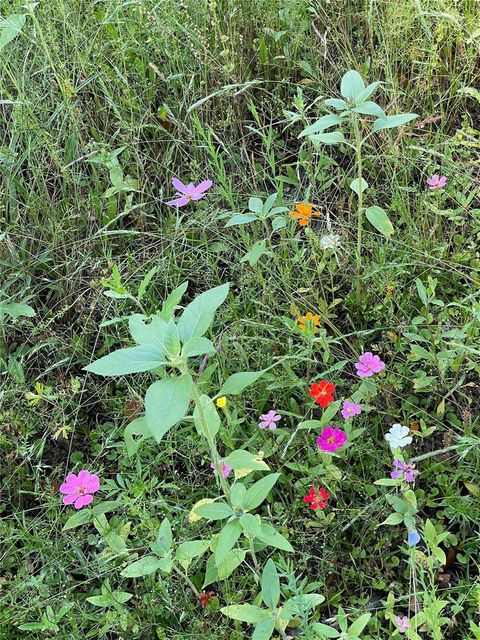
x: 350, y: 409
x: 331, y: 439
x: 78, y: 490
x: 368, y: 364
x: 436, y: 181
x: 224, y: 468
x: 269, y: 420
x: 186, y: 194
x: 405, y: 469
x: 403, y: 624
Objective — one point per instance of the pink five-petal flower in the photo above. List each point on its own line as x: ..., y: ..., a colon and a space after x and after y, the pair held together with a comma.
x: 331, y: 439
x: 436, y: 181
x: 269, y: 420
x: 403, y: 623
x: 368, y: 364
x: 350, y: 409
x: 79, y: 489
x: 187, y: 193
x: 224, y: 468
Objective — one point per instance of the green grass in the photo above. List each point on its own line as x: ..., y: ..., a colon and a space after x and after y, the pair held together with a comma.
x: 221, y: 90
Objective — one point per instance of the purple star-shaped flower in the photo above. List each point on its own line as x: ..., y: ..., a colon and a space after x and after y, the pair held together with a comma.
x: 189, y: 192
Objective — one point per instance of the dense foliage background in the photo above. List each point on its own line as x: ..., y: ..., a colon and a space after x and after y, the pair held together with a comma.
x: 102, y: 103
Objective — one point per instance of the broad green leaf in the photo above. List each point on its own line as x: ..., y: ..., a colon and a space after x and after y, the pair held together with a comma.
x: 172, y: 301
x: 270, y: 585
x: 186, y: 551
x: 245, y: 613
x: 296, y: 605
x: 237, y: 494
x: 255, y: 253
x: 264, y: 629
x: 257, y: 493
x: 370, y: 109
x: 271, y: 537
x: 171, y: 339
x: 129, y: 360
x: 106, y: 507
x: 146, y: 333
x: 325, y: 122
x: 226, y: 540
x: 367, y: 92
x: 164, y: 537
x: 206, y: 418
x: 356, y: 628
x: 379, y: 219
x: 387, y: 482
x: 197, y: 346
x: 143, y: 567
x: 328, y: 138
x: 355, y: 185
x: 251, y: 525
x: 393, y: 519
x: 214, y: 510
x: 255, y: 205
x: 241, y: 459
x: 422, y: 292
x: 241, y: 218
x: 137, y: 427
x: 10, y: 27
x: 336, y: 103
x: 77, y: 519
x: 16, y: 309
x: 225, y: 568
x: 166, y: 403
x: 108, y: 599
x: 237, y: 382
x: 325, y: 631
x: 198, y: 315
x: 352, y: 85
x: 165, y: 564
x: 388, y: 122
x: 279, y: 223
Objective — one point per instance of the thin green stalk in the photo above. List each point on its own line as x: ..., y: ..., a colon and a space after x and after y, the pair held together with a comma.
x: 211, y: 443
x: 358, y: 152
x: 186, y: 578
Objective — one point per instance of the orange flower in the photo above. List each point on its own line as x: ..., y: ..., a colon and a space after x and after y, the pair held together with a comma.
x: 303, y: 213
x: 308, y: 321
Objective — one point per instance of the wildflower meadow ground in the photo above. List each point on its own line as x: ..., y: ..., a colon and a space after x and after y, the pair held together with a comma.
x: 240, y: 318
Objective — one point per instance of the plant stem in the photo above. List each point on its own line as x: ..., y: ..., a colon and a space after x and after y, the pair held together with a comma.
x: 186, y: 578
x: 254, y: 557
x: 358, y: 150
x: 211, y: 443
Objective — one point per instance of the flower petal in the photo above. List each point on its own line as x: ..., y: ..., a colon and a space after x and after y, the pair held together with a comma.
x: 179, y: 186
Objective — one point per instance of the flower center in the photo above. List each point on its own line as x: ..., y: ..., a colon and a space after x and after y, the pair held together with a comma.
x: 331, y: 440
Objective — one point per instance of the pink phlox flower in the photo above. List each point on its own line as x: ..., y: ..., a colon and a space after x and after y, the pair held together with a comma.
x: 79, y: 489
x: 189, y: 192
x: 224, y: 468
x: 436, y: 181
x: 269, y: 420
x: 331, y: 439
x: 350, y: 409
x: 368, y: 364
x: 403, y: 623
x: 405, y: 469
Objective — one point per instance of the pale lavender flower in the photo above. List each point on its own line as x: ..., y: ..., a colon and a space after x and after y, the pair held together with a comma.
x: 398, y: 437
x: 436, y: 181
x: 368, y: 364
x: 404, y: 469
x: 403, y: 624
x: 413, y: 538
x: 350, y: 409
x: 189, y: 192
x: 269, y: 420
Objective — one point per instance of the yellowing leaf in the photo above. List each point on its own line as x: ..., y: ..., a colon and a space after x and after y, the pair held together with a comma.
x: 193, y: 516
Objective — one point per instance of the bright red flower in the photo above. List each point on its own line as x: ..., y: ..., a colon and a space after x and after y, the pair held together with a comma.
x: 322, y: 392
x: 318, y: 499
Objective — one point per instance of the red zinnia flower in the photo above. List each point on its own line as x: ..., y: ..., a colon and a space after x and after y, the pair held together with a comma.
x: 322, y: 392
x: 318, y: 500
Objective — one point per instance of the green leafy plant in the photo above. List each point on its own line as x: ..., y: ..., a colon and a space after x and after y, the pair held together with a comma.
x: 352, y: 109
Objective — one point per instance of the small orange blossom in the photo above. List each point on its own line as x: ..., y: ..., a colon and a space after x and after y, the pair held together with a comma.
x: 303, y: 213
x: 308, y: 321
